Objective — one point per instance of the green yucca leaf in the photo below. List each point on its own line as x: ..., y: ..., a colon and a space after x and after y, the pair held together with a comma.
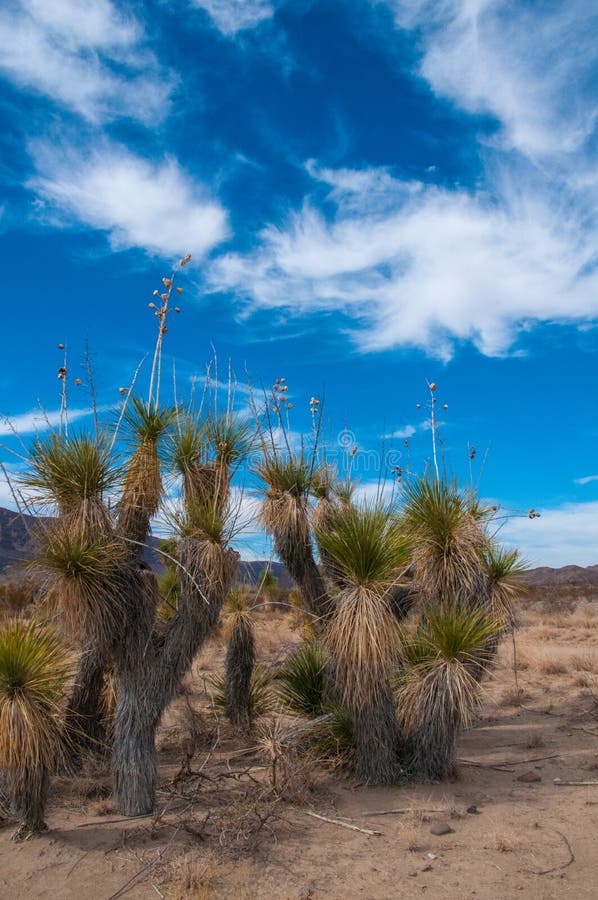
x: 302, y: 680
x: 146, y: 424
x: 229, y: 436
x: 451, y: 634
x: 286, y: 474
x: 70, y: 470
x: 186, y: 448
x: 364, y: 544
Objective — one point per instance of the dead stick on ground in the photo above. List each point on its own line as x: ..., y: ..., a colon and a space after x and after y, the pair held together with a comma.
x: 563, y: 865
x: 341, y: 824
x: 401, y: 811
x: 498, y: 768
x: 122, y: 890
x: 115, y: 821
x: 560, y: 783
x: 587, y: 731
x: 506, y: 762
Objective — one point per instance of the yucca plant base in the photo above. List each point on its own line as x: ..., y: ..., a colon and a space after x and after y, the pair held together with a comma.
x: 378, y: 743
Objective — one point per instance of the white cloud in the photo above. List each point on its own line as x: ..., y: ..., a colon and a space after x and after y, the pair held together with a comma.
x: 232, y: 16
x: 37, y: 420
x: 406, y: 432
x: 586, y: 479
x: 420, y: 265
x: 564, y: 535
x: 530, y: 65
x: 155, y: 206
x: 88, y: 57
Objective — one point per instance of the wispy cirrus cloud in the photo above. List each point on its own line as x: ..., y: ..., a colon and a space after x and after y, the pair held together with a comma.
x: 155, y: 206
x: 36, y: 420
x: 88, y: 57
x: 232, y: 16
x: 419, y: 265
x: 587, y: 479
x: 522, y: 62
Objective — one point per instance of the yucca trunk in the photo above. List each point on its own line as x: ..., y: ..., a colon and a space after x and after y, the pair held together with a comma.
x: 84, y: 720
x: 292, y: 540
x: 28, y: 792
x: 378, y: 740
x: 362, y: 643
x: 240, y: 660
x: 149, y: 667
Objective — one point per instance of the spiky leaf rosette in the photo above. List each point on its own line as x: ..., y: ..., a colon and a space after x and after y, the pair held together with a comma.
x: 74, y: 473
x: 34, y: 670
x: 504, y: 569
x: 364, y: 545
x: 303, y: 678
x: 284, y: 512
x: 85, y: 575
x: 146, y: 426
x: 448, y: 542
x: 438, y: 689
x: 203, y: 481
x: 229, y: 436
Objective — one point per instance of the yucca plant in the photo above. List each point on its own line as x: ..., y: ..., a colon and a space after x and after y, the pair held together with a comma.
x: 302, y: 681
x: 448, y: 542
x: 34, y: 671
x: 504, y: 569
x: 438, y: 686
x: 83, y: 576
x: 367, y: 552
x: 288, y: 480
x: 203, y: 480
x: 240, y: 661
x: 262, y: 697
x: 74, y: 473
x: 146, y: 426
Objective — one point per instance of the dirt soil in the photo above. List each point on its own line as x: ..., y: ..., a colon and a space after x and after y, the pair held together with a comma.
x: 514, y: 827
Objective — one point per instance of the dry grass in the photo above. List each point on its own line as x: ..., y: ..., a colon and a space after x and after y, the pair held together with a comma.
x: 504, y: 842
x: 552, y: 665
x: 363, y: 639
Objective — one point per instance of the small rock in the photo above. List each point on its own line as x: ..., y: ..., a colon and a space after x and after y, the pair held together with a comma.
x: 431, y: 856
x: 411, y: 874
x: 427, y: 868
x: 441, y: 828
x: 473, y: 811
x: 305, y: 892
x: 529, y: 777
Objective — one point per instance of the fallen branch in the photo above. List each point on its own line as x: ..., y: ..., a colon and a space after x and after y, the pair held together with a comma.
x: 401, y: 811
x: 479, y: 765
x: 587, y: 731
x: 560, y: 783
x: 341, y: 824
x: 115, y: 821
x: 500, y: 766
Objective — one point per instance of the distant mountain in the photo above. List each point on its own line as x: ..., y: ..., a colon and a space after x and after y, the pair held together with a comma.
x: 17, y: 543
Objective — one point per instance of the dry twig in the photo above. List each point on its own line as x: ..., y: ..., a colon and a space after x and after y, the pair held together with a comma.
x: 341, y: 824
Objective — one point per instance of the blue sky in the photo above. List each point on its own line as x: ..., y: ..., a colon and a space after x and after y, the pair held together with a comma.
x: 376, y: 194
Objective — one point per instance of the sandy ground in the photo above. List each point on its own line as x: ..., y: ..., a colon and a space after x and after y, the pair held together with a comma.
x: 529, y: 835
